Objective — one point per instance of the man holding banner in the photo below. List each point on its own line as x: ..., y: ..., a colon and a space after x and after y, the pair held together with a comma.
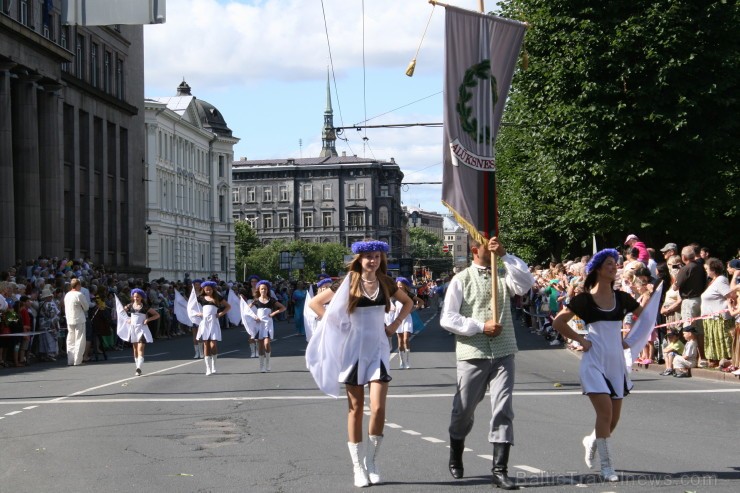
x: 480, y: 56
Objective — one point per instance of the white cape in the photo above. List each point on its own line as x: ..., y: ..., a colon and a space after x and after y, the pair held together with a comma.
x: 123, y: 322
x: 309, y: 316
x: 234, y: 314
x: 248, y: 317
x: 194, y: 309
x: 324, y: 351
x: 181, y: 309
x: 641, y: 330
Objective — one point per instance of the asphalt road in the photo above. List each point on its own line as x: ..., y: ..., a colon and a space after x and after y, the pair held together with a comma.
x: 176, y: 430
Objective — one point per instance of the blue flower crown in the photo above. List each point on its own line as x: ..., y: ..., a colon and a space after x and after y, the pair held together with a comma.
x: 599, y: 259
x: 208, y: 284
x: 370, y: 246
x: 404, y: 280
x: 253, y: 277
x: 324, y: 282
x: 266, y: 283
x: 139, y: 292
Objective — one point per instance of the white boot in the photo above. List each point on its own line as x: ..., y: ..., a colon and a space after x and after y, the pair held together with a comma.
x: 138, y: 361
x: 253, y: 348
x: 402, y: 359
x: 207, y: 360
x: 213, y: 363
x: 607, y: 471
x: 373, y: 444
x: 357, y: 452
x: 408, y: 353
x: 197, y: 351
x: 267, y: 362
x: 262, y: 363
x: 589, y: 443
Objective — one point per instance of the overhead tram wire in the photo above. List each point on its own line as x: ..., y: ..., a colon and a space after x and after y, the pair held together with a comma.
x: 364, y: 83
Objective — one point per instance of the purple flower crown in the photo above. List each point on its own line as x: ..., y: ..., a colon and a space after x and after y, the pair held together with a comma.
x: 139, y: 292
x: 266, y: 283
x: 599, y: 258
x: 370, y: 246
x: 404, y: 280
x: 324, y: 282
x: 208, y: 284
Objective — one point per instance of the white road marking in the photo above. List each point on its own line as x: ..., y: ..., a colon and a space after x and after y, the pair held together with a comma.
x: 533, y: 470
x: 411, y: 432
x: 30, y: 407
x: 13, y: 413
x: 128, y: 356
x: 433, y: 440
x: 393, y: 425
x: 486, y: 457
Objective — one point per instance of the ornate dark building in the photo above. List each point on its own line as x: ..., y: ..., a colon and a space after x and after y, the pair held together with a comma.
x: 328, y: 199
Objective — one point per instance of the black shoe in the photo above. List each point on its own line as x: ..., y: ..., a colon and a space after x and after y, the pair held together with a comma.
x: 456, y: 464
x: 138, y: 372
x: 668, y: 372
x: 682, y: 375
x: 500, y: 462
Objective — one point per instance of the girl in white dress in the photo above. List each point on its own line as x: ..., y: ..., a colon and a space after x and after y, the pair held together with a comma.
x: 603, y: 371
x: 266, y: 308
x: 406, y: 329
x: 209, y: 329
x: 350, y: 346
x: 135, y: 329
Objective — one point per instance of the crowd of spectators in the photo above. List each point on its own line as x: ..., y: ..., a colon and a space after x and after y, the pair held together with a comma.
x: 700, y: 293
x: 699, y: 302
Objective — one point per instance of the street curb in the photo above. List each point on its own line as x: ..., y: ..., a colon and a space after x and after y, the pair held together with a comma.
x: 695, y: 372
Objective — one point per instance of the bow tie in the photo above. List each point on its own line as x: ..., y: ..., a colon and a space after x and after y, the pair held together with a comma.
x: 486, y: 271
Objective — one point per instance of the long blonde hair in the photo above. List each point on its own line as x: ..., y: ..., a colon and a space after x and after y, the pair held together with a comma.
x: 386, y: 282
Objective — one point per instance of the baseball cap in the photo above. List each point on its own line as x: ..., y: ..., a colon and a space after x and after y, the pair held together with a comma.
x: 735, y: 263
x: 669, y: 246
x: 690, y: 329
x: 630, y: 238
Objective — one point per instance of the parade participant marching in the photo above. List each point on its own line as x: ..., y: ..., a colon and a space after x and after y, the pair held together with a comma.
x: 603, y: 372
x: 132, y: 324
x: 198, y: 346
x: 350, y: 346
x: 251, y: 295
x: 485, y: 352
x: 267, y: 307
x: 209, y: 328
x: 407, y: 325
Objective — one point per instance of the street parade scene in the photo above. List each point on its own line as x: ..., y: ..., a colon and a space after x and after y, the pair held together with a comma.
x: 565, y: 266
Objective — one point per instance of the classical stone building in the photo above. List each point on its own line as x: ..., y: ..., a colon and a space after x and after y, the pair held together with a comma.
x: 189, y: 151
x: 331, y: 198
x: 71, y: 138
x: 457, y: 240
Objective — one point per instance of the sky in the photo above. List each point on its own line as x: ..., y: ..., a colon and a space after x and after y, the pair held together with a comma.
x: 264, y: 65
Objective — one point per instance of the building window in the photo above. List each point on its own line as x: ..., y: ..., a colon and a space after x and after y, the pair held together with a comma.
x: 251, y: 195
x: 356, y: 219
x: 119, y: 78
x: 384, y: 191
x: 224, y: 259
x: 352, y: 192
x: 308, y: 219
x: 361, y: 191
x: 383, y: 216
x: 235, y: 195
x: 221, y: 166
x: 80, y: 57
x: 63, y: 37
x: 94, y: 65
x: 251, y: 219
x: 107, y: 86
x: 267, y: 194
x: 283, y: 193
x: 327, y: 219
x: 284, y: 221
x: 267, y: 221
x: 222, y: 208
x: 327, y: 192
x: 307, y: 191
x: 23, y: 12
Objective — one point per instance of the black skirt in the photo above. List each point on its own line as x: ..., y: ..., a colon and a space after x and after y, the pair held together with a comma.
x: 352, y: 377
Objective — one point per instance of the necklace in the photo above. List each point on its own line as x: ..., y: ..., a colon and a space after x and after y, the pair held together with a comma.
x: 373, y: 296
x: 368, y: 280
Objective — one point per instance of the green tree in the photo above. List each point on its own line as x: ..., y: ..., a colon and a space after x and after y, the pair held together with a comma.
x: 246, y: 241
x: 624, y: 122
x: 265, y: 261
x: 424, y: 244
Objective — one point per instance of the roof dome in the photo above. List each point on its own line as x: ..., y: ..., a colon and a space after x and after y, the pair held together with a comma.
x: 209, y: 116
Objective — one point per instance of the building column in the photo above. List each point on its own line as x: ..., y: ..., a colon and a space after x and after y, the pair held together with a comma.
x: 26, y: 166
x: 7, y: 196
x: 51, y: 167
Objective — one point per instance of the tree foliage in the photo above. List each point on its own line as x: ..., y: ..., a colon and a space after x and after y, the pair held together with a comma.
x: 624, y: 122
x: 265, y: 261
x: 424, y: 244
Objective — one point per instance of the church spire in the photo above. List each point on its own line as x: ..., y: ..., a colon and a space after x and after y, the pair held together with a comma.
x: 328, y: 136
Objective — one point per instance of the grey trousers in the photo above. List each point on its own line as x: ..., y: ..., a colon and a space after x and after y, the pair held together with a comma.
x: 473, y: 378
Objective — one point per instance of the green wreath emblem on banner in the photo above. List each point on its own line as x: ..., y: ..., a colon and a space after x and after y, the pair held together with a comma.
x: 468, y: 123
